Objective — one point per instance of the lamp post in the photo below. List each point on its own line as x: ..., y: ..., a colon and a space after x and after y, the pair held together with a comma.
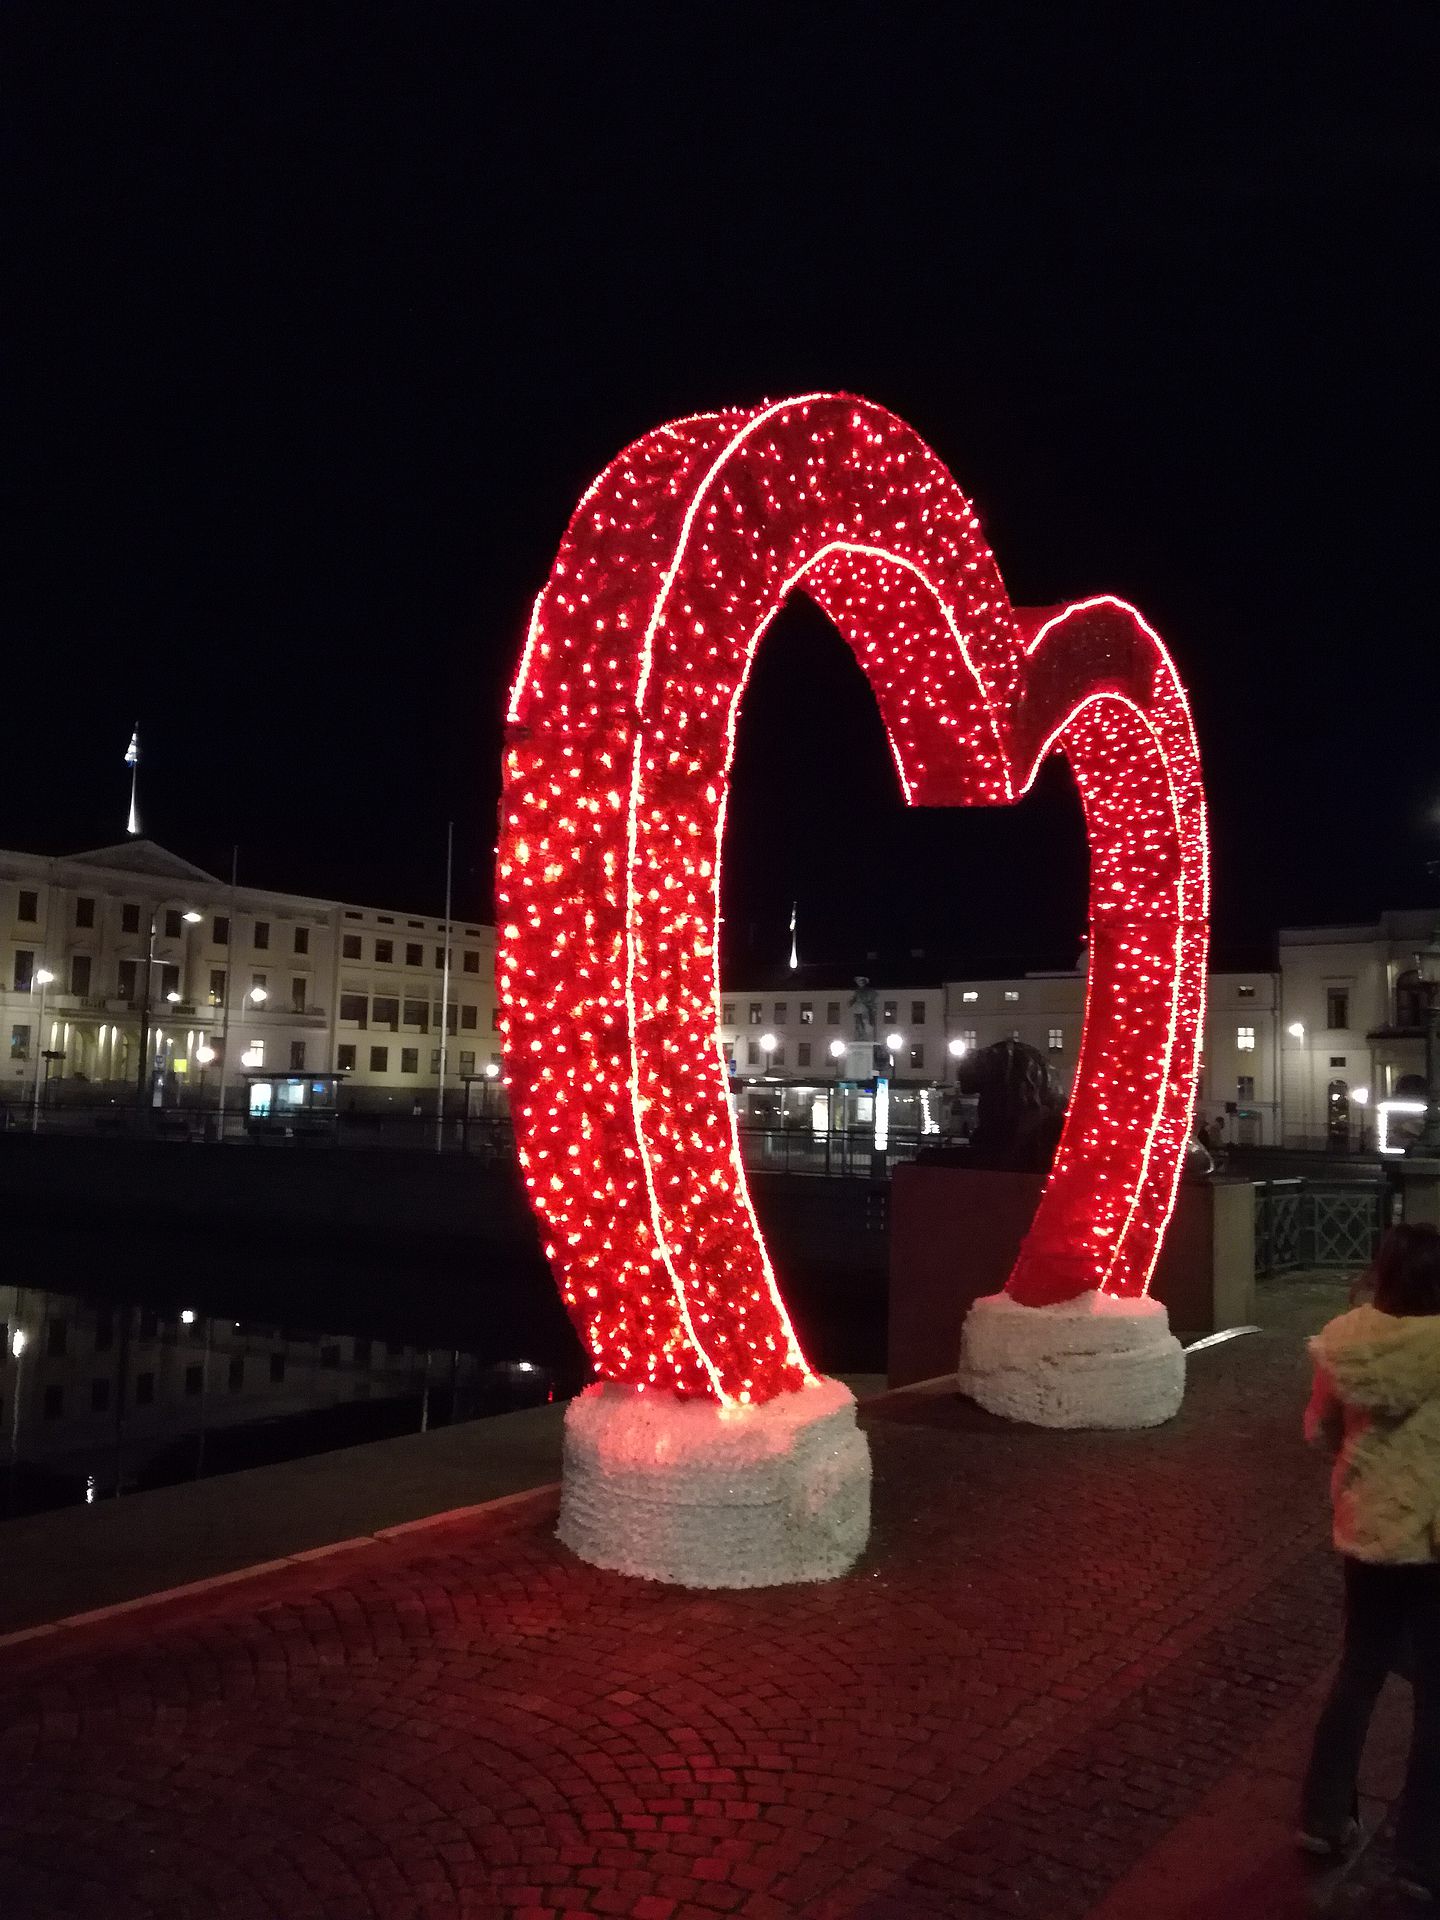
x: 1360, y: 1099
x: 143, y: 1071
x: 40, y: 978
x: 1296, y: 1031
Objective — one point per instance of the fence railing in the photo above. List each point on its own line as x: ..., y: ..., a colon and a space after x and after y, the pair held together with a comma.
x: 1309, y: 1223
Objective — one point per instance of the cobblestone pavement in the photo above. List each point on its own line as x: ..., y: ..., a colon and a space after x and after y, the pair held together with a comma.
x: 1057, y: 1650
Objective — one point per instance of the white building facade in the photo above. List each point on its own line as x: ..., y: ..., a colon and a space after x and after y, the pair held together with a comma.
x: 254, y: 977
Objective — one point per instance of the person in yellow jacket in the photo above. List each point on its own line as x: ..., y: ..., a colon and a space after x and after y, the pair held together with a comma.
x: 1376, y: 1401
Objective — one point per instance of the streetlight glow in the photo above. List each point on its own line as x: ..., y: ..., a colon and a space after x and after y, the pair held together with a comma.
x: 492, y: 1072
x: 1361, y: 1096
x: 187, y: 1316
x: 1296, y: 1029
x: 838, y: 1049
x: 257, y: 994
x: 958, y: 1048
x: 204, y: 1055
x: 173, y: 998
x: 768, y: 1042
x: 193, y: 917
x: 894, y: 1041
x: 43, y: 977
x: 17, y: 1342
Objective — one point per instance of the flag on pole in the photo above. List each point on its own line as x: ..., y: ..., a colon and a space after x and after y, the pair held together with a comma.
x: 132, y: 760
x: 794, y: 951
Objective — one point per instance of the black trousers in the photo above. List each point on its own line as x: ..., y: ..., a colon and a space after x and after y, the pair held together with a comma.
x: 1392, y: 1617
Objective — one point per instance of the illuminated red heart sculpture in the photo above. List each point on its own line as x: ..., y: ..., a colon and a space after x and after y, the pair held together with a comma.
x: 621, y: 730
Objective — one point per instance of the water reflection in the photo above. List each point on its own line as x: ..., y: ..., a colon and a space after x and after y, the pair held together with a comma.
x: 99, y: 1397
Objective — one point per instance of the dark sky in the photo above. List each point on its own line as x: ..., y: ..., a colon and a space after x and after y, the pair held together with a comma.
x: 322, y: 316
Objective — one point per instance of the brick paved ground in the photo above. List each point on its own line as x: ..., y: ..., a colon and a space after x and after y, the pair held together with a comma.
x: 1058, y: 1654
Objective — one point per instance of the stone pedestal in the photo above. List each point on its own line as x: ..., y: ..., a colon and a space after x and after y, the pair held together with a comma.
x: 1095, y: 1361
x: 704, y: 1495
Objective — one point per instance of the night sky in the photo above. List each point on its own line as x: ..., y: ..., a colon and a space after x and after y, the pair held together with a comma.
x: 321, y: 317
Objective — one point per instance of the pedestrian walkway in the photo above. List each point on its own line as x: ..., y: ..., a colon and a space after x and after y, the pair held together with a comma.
x: 1072, y: 1676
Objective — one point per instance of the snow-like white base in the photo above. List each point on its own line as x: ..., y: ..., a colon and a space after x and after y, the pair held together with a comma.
x: 702, y: 1495
x: 1096, y: 1361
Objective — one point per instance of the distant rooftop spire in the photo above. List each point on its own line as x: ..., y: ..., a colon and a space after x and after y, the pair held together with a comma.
x: 794, y: 951
x: 132, y: 760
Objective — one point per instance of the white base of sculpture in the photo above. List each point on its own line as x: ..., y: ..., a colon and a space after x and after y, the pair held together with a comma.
x: 702, y: 1495
x: 1096, y: 1361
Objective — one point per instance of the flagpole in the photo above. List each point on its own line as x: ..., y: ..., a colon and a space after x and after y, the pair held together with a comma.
x: 229, y: 988
x: 444, y: 993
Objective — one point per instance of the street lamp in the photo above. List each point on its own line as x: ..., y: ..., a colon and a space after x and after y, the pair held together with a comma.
x: 768, y: 1044
x: 259, y: 995
x: 144, y: 1071
x: 1360, y: 1096
x: 1296, y: 1031
x: 41, y: 978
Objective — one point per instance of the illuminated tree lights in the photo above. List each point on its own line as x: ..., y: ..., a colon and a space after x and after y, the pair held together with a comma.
x: 621, y: 729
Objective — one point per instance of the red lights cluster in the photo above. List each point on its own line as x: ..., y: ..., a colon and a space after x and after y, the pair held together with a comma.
x: 621, y: 730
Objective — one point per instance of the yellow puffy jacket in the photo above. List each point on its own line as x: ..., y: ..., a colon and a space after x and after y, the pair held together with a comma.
x: 1377, y: 1400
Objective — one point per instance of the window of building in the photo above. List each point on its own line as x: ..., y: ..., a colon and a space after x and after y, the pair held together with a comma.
x: 1245, y: 1087
x: 256, y: 1051
x: 495, y: 1020
x: 130, y: 916
x: 127, y: 979
x: 1338, y: 1059
x: 917, y: 1054
x: 169, y: 981
x: 1057, y: 1039
x: 469, y: 1019
x: 1247, y: 993
x: 385, y: 1012
x: 727, y: 1013
x: 20, y: 1041
x: 832, y: 1013
x: 757, y: 1012
x: 781, y: 1012
x: 235, y: 1376
x: 1245, y: 1039
x: 100, y: 1395
x: 409, y: 1060
x: 1337, y: 1008
x: 970, y: 996
x: 352, y: 1008
x: 414, y: 954
x: 752, y: 1053
x: 84, y: 911
x: 917, y: 1013
x: 807, y: 1013
x: 217, y: 986
x: 379, y: 1059
x: 345, y: 1058
x: 384, y: 952
x: 728, y: 1049
x: 1012, y: 993
x: 439, y: 959
x: 24, y: 973
x: 174, y: 926
x: 220, y: 930
x: 57, y: 1337
x: 145, y: 1389
x: 452, y: 1017
x: 350, y: 946
x: 54, y: 1402
x: 415, y: 1013
x: 195, y: 1378
x: 353, y: 913
x: 80, y: 973
x: 299, y: 990
x: 890, y: 1012
x: 802, y: 1053
x: 29, y: 905
x: 297, y: 1056
x: 434, y: 1060
x: 262, y: 935
x: 302, y: 940
x: 277, y: 1369
x: 1410, y: 999
x: 971, y: 1038
x: 777, y: 1057
x: 467, y: 1063
x: 470, y: 962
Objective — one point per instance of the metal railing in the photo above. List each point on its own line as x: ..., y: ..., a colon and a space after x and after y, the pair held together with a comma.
x: 1311, y: 1223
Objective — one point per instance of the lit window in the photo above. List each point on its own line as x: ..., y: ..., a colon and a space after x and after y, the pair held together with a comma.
x: 970, y: 996
x: 1245, y: 1039
x: 1247, y: 993
x: 1057, y: 1039
x: 757, y: 1013
x: 807, y: 1013
x: 1012, y: 993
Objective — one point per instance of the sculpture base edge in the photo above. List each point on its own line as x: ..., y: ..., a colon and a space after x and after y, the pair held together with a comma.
x: 1095, y: 1361
x: 703, y: 1495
